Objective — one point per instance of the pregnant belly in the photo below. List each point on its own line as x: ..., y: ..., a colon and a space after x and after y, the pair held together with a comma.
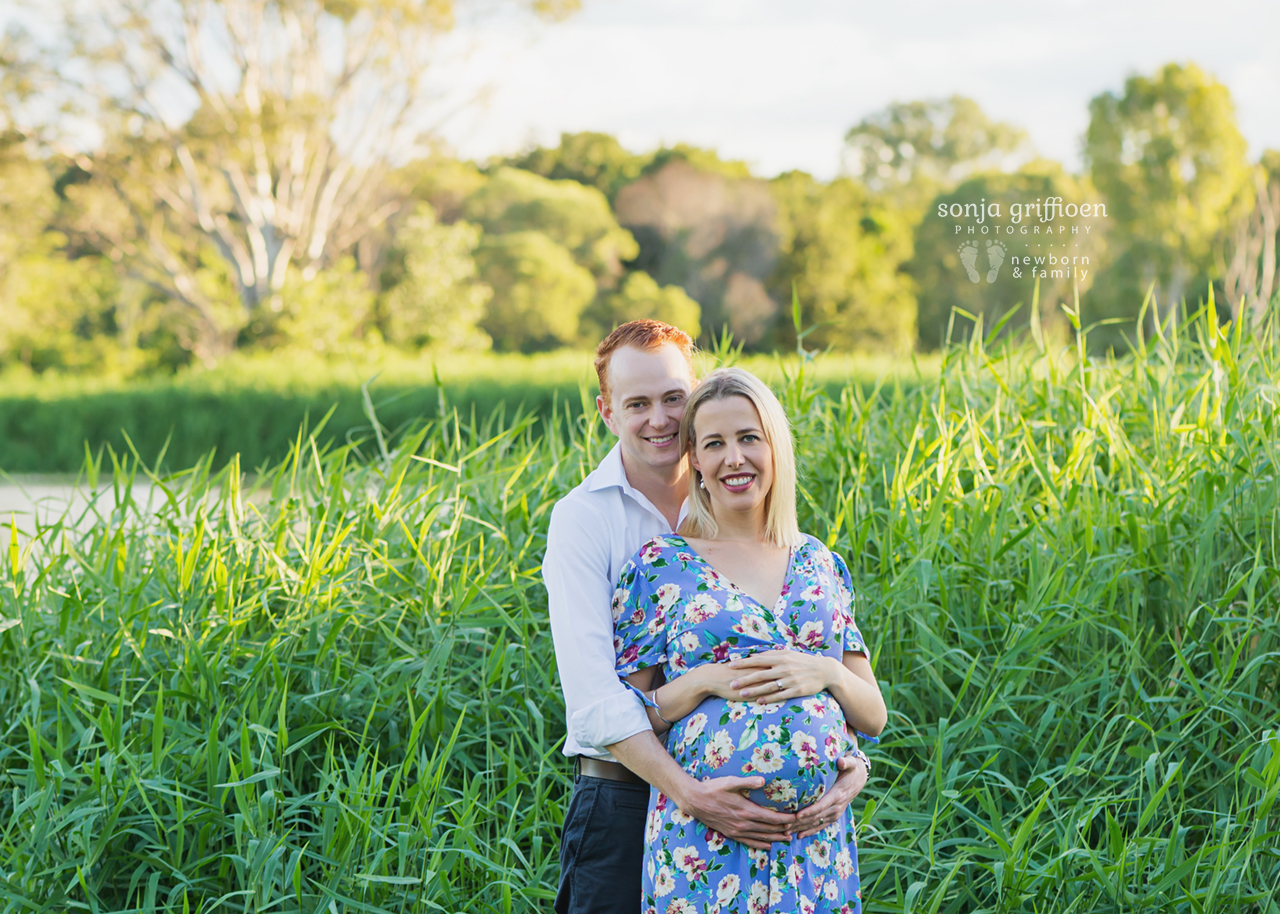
x: 793, y: 746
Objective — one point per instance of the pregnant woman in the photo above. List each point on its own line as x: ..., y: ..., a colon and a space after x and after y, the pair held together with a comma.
x: 741, y: 584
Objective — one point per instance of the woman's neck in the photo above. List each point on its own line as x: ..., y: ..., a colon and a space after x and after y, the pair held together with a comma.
x: 740, y: 527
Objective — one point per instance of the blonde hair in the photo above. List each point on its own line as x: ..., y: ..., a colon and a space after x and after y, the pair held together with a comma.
x: 780, y: 527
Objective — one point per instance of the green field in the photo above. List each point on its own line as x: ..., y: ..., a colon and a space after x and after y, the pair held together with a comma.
x: 253, y: 405
x: 335, y: 691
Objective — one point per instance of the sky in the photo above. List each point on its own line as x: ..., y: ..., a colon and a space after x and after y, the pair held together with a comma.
x: 779, y: 83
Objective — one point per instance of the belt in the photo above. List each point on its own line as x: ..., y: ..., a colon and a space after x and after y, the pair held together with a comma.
x: 609, y: 771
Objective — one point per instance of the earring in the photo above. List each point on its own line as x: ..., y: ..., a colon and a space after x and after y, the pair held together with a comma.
x: 702, y: 483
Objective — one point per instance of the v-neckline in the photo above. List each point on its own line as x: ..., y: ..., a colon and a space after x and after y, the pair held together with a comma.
x: 786, y: 576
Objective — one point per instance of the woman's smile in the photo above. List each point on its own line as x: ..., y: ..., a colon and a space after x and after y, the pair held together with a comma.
x: 739, y: 482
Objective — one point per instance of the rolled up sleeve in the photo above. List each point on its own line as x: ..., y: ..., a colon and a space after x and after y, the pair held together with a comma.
x: 599, y: 708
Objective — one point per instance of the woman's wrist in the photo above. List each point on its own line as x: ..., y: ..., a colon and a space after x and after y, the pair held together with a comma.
x: 833, y: 672
x: 704, y: 681
x: 657, y: 707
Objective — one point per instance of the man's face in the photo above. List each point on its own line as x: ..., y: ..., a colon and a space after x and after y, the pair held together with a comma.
x: 648, y: 390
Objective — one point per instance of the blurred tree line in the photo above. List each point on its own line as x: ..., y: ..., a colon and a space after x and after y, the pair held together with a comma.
x: 261, y: 179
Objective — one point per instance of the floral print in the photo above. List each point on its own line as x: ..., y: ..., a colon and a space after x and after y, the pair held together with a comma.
x: 672, y: 609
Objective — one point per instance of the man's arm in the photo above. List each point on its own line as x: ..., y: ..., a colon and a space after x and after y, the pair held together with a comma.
x: 600, y: 709
x: 718, y: 803
x: 849, y: 783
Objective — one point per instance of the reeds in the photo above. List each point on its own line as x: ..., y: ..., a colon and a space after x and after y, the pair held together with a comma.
x: 336, y: 691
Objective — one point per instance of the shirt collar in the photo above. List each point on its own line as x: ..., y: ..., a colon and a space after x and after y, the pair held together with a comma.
x: 611, y: 472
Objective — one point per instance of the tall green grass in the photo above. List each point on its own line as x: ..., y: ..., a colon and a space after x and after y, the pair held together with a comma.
x: 336, y: 691
x: 252, y: 405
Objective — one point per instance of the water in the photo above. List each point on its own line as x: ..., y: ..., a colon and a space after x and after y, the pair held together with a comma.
x: 38, y: 501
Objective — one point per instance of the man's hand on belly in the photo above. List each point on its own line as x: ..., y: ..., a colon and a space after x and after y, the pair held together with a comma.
x: 849, y: 783
x: 721, y: 804
x: 718, y: 803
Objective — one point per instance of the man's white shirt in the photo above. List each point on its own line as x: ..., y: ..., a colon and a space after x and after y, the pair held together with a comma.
x: 594, y: 530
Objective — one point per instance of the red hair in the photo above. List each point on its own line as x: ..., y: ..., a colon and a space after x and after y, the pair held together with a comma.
x: 647, y: 335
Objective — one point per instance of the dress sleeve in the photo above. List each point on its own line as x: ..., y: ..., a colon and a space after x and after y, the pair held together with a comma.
x: 639, y: 618
x: 852, y: 638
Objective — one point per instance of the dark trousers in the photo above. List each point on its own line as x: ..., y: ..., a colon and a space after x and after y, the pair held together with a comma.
x: 602, y: 848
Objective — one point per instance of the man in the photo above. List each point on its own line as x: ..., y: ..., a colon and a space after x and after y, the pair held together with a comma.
x: 645, y: 369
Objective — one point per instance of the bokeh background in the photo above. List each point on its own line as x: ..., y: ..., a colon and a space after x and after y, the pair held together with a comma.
x: 189, y: 189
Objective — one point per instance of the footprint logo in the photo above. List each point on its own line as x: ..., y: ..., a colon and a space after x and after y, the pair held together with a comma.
x: 995, y: 257
x: 969, y: 257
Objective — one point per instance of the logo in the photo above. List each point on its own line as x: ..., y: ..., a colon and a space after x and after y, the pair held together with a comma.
x: 1045, y: 242
x: 995, y: 259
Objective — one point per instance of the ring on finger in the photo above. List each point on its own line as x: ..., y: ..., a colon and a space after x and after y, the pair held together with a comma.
x: 778, y: 684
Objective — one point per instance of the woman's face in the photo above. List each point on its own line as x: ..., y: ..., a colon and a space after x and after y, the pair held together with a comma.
x: 732, y: 454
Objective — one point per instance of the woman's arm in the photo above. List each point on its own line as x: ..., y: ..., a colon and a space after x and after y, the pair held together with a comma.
x: 678, y: 698
x: 856, y: 689
x: 783, y: 675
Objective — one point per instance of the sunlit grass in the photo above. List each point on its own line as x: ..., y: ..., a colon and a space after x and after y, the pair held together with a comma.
x: 252, y: 403
x: 337, y: 691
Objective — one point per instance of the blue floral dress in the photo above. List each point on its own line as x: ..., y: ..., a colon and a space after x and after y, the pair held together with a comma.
x: 672, y: 608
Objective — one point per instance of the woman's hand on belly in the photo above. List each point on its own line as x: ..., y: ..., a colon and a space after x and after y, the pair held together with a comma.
x: 799, y: 674
x: 716, y: 680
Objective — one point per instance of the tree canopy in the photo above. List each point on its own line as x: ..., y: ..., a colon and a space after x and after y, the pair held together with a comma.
x: 1168, y: 157
x: 264, y: 175
x: 255, y: 133
x: 913, y: 150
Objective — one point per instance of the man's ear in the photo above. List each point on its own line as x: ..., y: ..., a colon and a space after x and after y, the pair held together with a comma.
x: 606, y: 413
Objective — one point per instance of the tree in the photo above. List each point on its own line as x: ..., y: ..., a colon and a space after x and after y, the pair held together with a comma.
x: 704, y: 160
x: 640, y: 297
x: 27, y: 201
x: 1249, y: 268
x: 1170, y: 161
x: 16, y: 77
x: 539, y: 292
x: 715, y: 236
x: 441, y: 181
x: 595, y: 159
x: 440, y: 300
x: 569, y: 213
x: 259, y: 132
x: 62, y: 314
x: 914, y: 150
x: 49, y: 309
x: 844, y: 251
x: 326, y: 311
